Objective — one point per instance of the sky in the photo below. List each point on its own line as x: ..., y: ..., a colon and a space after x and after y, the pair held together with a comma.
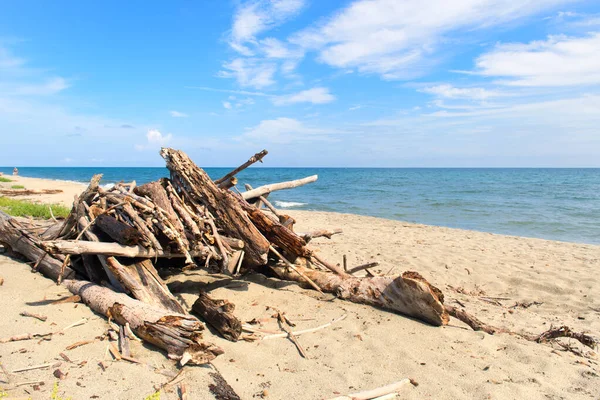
x: 363, y: 83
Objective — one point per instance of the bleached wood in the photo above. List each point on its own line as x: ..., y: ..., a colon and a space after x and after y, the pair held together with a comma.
x: 266, y: 189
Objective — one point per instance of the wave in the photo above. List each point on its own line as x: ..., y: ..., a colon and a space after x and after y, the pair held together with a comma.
x: 288, y: 204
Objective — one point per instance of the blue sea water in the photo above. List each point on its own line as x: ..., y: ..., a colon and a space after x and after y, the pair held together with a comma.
x: 558, y: 204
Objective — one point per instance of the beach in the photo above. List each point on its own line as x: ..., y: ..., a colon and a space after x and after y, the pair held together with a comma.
x: 489, y: 274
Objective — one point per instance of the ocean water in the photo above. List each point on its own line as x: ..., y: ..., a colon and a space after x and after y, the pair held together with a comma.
x: 558, y: 204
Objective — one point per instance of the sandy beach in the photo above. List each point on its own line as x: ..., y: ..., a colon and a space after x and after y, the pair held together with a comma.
x: 487, y: 273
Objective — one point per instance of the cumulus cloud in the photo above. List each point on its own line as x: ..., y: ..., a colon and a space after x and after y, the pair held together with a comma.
x: 177, y: 114
x: 154, y: 139
x: 318, y: 95
x: 396, y: 39
x: 557, y: 61
x: 227, y: 105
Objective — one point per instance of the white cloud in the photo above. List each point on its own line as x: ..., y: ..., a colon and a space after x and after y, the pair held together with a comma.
x: 250, y: 72
x: 255, y: 17
x: 452, y: 92
x: 286, y: 130
x: 50, y: 87
x: 558, y: 61
x: 396, y: 39
x: 227, y: 105
x: 154, y: 139
x: 177, y: 114
x: 318, y: 95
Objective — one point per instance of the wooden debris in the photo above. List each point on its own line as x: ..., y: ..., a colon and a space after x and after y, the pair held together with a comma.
x: 68, y: 299
x: 59, y: 374
x: 285, y: 326
x: 78, y: 344
x: 42, y: 318
x: 41, y: 366
x: 266, y: 189
x: 308, y: 236
x: 362, y: 267
x: 375, y: 393
x: 24, y: 336
x: 27, y: 192
x: 302, y: 332
x: 219, y: 314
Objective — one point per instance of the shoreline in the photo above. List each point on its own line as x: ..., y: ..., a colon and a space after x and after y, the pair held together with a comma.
x: 72, y: 188
x: 559, y: 279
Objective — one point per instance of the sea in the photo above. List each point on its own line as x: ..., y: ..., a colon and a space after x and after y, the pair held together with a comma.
x: 548, y: 203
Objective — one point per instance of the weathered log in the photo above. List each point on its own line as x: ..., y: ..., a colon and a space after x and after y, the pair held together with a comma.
x: 14, y: 236
x: 235, y: 244
x: 85, y: 197
x: 180, y: 335
x: 275, y: 232
x: 118, y: 231
x: 27, y: 192
x: 257, y: 157
x: 141, y: 279
x: 228, y: 215
x: 219, y: 315
x: 114, y: 249
x: 266, y: 189
x: 228, y: 184
x: 409, y: 294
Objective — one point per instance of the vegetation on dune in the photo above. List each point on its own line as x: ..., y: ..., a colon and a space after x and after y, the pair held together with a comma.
x: 24, y: 208
x: 17, y: 187
x: 3, y: 179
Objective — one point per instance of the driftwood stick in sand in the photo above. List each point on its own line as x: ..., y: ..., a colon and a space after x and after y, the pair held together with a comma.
x: 24, y: 336
x: 180, y: 335
x: 41, y: 366
x: 284, y: 325
x: 409, y: 294
x: 229, y: 217
x: 296, y: 270
x: 13, y: 235
x: 362, y: 267
x: 42, y: 318
x: 113, y: 249
x: 27, y: 192
x: 544, y: 337
x: 375, y: 393
x: 257, y: 157
x: 302, y: 332
x: 219, y: 314
x: 266, y: 189
x: 308, y: 236
x: 329, y: 266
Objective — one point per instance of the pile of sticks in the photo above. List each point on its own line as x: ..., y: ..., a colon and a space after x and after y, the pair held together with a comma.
x: 111, y: 247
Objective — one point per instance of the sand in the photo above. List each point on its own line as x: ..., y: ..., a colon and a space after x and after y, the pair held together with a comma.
x: 369, y: 348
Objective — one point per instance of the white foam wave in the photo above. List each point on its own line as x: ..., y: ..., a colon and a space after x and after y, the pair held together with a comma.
x: 288, y: 204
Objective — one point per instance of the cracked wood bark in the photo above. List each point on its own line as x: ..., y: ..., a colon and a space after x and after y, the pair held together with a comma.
x: 157, y: 193
x: 409, y: 294
x: 275, y: 232
x: 180, y: 335
x: 219, y: 315
x: 14, y: 235
x: 118, y: 231
x: 228, y: 214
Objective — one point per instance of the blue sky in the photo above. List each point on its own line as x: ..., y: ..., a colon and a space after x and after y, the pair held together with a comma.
x: 377, y: 83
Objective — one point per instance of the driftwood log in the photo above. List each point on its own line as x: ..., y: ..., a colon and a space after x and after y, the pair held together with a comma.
x: 219, y: 315
x: 113, y: 249
x: 180, y: 335
x: 27, y: 192
x: 409, y: 294
x: 266, y: 189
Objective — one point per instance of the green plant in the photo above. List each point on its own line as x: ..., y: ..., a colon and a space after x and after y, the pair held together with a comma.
x: 54, y: 395
x: 24, y: 208
x: 17, y: 187
x: 153, y: 396
x: 3, y: 179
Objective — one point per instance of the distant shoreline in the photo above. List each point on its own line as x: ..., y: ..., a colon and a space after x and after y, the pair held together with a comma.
x: 73, y: 188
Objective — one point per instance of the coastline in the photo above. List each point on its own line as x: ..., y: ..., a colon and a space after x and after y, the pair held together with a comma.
x: 448, y: 362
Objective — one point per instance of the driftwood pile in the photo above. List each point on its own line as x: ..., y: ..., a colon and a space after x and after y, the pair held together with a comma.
x: 111, y: 247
